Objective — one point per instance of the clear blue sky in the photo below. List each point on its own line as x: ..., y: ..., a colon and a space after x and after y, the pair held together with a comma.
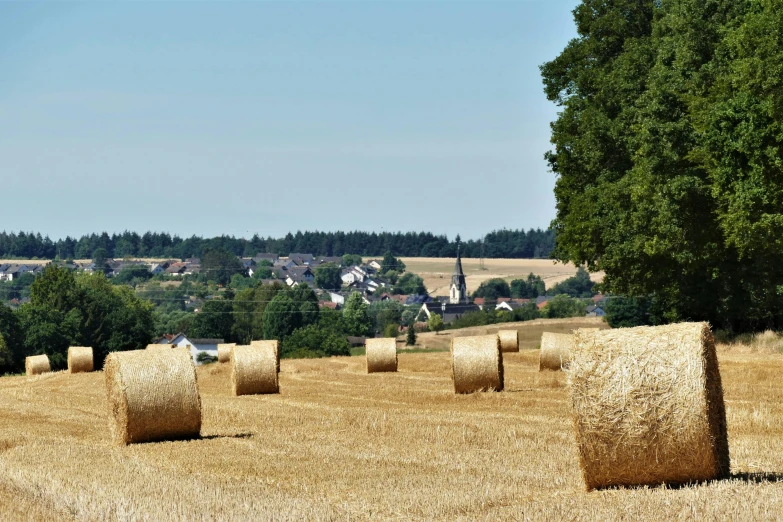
x: 243, y: 117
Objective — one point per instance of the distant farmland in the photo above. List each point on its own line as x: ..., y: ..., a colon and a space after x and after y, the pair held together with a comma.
x: 339, y: 444
x: 436, y: 272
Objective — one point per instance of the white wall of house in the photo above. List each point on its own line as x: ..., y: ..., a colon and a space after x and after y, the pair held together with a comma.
x: 184, y: 342
x: 337, y: 298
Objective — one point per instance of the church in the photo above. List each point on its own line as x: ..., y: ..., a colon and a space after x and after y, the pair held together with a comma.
x: 459, y: 302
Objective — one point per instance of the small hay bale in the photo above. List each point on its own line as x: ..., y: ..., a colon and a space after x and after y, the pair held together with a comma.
x: 36, y: 365
x: 80, y: 359
x: 381, y: 354
x: 555, y: 351
x: 648, y: 406
x: 224, y: 352
x: 476, y: 364
x: 254, y: 369
x: 274, y: 343
x: 509, y: 340
x: 152, y: 396
x: 589, y: 329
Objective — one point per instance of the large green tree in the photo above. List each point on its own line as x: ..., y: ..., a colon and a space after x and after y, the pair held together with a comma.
x: 667, y: 152
x: 219, y: 266
x: 328, y: 276
x: 356, y: 318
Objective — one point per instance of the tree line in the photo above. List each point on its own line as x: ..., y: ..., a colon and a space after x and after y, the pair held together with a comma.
x: 667, y: 151
x: 534, y: 243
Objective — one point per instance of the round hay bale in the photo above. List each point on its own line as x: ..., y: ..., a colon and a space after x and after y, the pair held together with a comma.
x: 476, y: 364
x: 589, y: 329
x: 152, y: 396
x: 254, y: 369
x: 555, y: 351
x: 648, y: 406
x: 224, y: 352
x: 80, y: 359
x: 381, y: 354
x: 274, y: 343
x: 36, y: 365
x: 509, y: 340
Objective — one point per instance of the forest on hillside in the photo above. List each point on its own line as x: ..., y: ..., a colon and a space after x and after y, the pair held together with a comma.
x: 519, y: 244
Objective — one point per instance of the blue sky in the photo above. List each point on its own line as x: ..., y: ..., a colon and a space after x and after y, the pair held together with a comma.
x: 267, y: 117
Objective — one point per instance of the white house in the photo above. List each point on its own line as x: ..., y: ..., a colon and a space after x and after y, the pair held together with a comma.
x: 348, y: 277
x: 375, y: 264
x: 156, y: 268
x: 196, y: 346
x: 337, y: 298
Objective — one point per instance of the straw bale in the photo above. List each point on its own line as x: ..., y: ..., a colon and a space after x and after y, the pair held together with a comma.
x: 80, y: 359
x: 224, y: 352
x: 159, y: 347
x: 648, y: 406
x: 509, y: 340
x: 254, y: 369
x: 37, y: 364
x: 152, y: 396
x: 589, y: 329
x: 381, y: 354
x: 274, y: 343
x: 555, y: 351
x: 476, y: 364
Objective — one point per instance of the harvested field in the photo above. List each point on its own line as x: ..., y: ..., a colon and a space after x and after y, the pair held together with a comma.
x: 340, y: 444
x: 436, y: 272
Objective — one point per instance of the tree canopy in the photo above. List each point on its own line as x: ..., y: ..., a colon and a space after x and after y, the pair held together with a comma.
x: 667, y: 151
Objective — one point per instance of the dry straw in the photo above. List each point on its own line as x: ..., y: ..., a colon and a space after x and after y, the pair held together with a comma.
x: 476, y: 364
x: 254, y: 369
x: 159, y: 347
x: 381, y: 355
x: 224, y: 352
x: 152, y: 396
x: 36, y: 365
x: 555, y: 351
x: 509, y: 340
x: 80, y: 359
x: 648, y: 406
x: 275, y: 344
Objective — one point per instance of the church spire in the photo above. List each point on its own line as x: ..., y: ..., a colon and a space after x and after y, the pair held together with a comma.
x: 458, y: 290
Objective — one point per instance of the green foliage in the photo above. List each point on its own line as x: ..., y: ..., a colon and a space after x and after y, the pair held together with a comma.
x: 667, y: 150
x: 356, y: 318
x: 249, y: 307
x: 263, y: 270
x: 239, y: 282
x: 215, y: 320
x: 529, y: 288
x: 392, y: 276
x: 390, y: 330
x: 626, y: 312
x: 307, y: 303
x: 174, y: 322
x: 352, y: 259
x: 385, y: 313
x: 410, y: 339
x: 13, y: 337
x: 390, y: 262
x: 579, y: 285
x: 219, y: 266
x: 99, y: 257
x: 435, y: 323
x: 19, y: 288
x: 492, y: 289
x: 132, y: 275
x: 562, y: 306
x: 328, y: 276
x: 332, y: 320
x: 281, y: 317
x: 205, y: 358
x: 410, y: 283
x: 6, y: 356
x: 314, y: 341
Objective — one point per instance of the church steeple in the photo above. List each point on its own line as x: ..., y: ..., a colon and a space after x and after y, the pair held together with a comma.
x: 458, y: 291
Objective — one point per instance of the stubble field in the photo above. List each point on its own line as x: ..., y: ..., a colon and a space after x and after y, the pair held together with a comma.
x: 436, y: 272
x: 339, y: 444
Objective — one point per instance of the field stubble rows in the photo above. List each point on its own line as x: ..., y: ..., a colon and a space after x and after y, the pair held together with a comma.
x: 339, y: 444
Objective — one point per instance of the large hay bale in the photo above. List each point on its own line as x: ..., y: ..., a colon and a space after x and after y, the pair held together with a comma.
x: 80, y: 359
x: 381, y: 354
x: 152, y: 396
x: 224, y: 352
x: 36, y: 365
x: 275, y: 344
x: 254, y: 369
x: 555, y: 351
x: 476, y: 364
x: 509, y: 340
x: 648, y: 406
